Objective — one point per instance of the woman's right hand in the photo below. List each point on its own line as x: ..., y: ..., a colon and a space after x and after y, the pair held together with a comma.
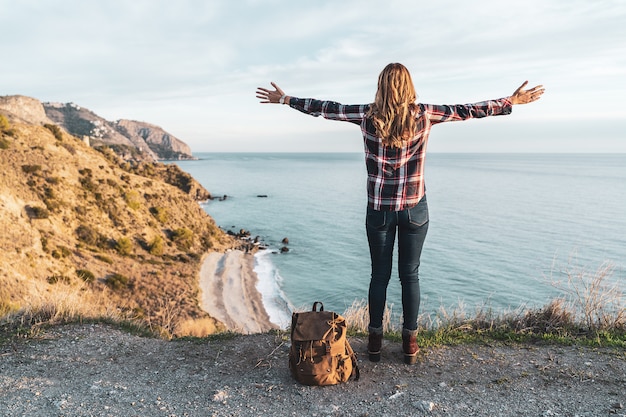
x: 271, y: 96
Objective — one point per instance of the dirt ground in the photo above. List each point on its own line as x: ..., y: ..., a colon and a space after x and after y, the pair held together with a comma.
x: 98, y: 370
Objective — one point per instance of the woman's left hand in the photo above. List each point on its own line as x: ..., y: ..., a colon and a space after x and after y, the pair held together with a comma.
x: 521, y: 96
x: 269, y: 96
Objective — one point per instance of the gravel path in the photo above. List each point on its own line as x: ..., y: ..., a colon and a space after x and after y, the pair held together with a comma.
x: 98, y: 370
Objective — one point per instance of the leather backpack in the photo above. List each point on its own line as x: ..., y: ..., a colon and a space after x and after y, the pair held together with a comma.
x: 320, y: 353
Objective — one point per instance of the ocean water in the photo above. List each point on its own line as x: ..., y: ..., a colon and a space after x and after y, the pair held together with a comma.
x: 503, y: 227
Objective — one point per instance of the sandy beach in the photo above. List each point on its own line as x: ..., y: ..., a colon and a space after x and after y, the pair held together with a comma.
x: 229, y: 294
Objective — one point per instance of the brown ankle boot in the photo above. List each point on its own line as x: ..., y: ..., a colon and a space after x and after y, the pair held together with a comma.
x: 409, y: 346
x: 374, y: 345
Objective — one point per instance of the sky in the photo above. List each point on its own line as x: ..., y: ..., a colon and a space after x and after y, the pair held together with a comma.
x: 192, y: 67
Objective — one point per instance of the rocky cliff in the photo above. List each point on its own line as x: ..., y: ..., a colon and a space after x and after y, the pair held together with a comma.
x: 24, y: 109
x: 124, y: 237
x: 163, y: 144
x: 132, y: 140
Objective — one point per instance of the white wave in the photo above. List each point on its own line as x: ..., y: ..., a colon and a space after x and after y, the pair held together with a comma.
x: 268, y: 284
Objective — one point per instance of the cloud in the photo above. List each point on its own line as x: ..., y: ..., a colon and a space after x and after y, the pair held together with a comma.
x: 192, y: 66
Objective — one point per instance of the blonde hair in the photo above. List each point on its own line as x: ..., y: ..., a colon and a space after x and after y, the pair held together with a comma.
x: 392, y: 112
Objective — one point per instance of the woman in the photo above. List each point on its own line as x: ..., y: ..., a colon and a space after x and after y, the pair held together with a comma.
x: 395, y: 132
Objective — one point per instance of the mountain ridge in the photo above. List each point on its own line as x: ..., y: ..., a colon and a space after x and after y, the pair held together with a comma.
x: 130, y: 139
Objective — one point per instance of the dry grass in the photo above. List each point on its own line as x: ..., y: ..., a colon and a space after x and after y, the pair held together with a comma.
x: 357, y: 316
x: 60, y: 303
x: 199, y: 327
x: 594, y: 298
x: 74, y: 301
x: 592, y: 304
x: 172, y: 320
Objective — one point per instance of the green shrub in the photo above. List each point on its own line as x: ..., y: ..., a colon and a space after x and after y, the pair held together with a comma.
x: 5, y: 130
x: 206, y: 241
x: 155, y: 247
x: 104, y: 258
x: 36, y: 212
x: 85, y: 275
x: 160, y: 213
x: 61, y: 252
x: 58, y: 278
x: 149, y: 170
x: 117, y: 281
x: 52, y: 205
x: 124, y: 246
x: 87, y: 184
x: 49, y: 192
x: 44, y: 244
x: 56, y: 131
x: 133, y: 199
x: 4, y: 123
x: 114, y: 211
x: 183, y: 238
x: 87, y: 235
x: 105, y: 243
x: 31, y: 169
x: 71, y: 149
x: 50, y: 199
x: 108, y: 153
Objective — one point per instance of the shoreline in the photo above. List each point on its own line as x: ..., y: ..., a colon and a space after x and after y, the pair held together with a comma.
x: 229, y: 293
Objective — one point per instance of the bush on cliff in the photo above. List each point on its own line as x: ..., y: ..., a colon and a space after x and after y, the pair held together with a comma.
x: 4, y: 123
x: 36, y: 212
x: 160, y: 213
x: 124, y: 246
x: 4, y: 143
x: 183, y: 238
x: 86, y: 275
x: 5, y: 128
x: 156, y: 247
x: 87, y: 235
x: 56, y: 131
x: 117, y: 281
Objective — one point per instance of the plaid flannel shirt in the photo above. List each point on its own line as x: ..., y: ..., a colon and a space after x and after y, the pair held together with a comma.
x: 395, y: 176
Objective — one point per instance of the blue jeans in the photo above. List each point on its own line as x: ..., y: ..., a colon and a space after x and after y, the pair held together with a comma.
x: 412, y: 225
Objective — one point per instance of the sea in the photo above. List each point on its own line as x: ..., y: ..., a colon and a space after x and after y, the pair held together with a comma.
x: 506, y: 230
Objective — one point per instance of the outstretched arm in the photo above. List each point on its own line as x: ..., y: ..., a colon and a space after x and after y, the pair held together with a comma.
x: 353, y: 113
x: 521, y: 96
x: 268, y: 96
x: 439, y: 114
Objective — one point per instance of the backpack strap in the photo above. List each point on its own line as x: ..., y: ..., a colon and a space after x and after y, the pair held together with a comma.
x: 355, y: 366
x: 315, y: 306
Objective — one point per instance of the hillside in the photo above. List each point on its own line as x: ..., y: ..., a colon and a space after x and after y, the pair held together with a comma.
x: 131, y: 140
x: 89, y: 234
